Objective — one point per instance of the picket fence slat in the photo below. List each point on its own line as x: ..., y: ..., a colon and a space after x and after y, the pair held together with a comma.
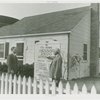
x: 47, y: 87
x: 19, y: 84
x: 12, y: 84
x: 84, y: 89
x: 15, y: 85
x: 93, y: 90
x: 53, y: 87
x: 67, y: 90
x: 6, y: 84
x: 24, y: 85
x: 75, y: 89
x: 35, y: 86
x: 41, y: 86
x: 60, y: 89
x: 2, y: 83
x: 29, y: 85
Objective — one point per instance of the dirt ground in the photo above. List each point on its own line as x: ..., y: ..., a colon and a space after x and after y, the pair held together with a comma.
x: 89, y: 82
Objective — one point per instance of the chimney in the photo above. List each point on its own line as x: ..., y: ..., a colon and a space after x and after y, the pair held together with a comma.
x: 94, y: 40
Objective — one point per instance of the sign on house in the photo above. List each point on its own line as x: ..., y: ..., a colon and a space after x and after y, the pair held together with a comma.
x: 43, y: 49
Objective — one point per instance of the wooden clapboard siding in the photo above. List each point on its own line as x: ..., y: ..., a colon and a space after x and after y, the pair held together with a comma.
x: 79, y: 36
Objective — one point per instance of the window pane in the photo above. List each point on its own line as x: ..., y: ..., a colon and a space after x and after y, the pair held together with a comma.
x: 1, y: 50
x: 99, y: 52
x: 85, y: 52
x: 20, y: 62
x: 6, y: 50
x: 20, y: 49
x: 1, y: 55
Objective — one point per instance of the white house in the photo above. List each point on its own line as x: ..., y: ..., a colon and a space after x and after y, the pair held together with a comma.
x: 37, y: 36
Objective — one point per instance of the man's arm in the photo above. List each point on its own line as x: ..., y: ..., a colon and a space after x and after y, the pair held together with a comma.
x: 50, y: 57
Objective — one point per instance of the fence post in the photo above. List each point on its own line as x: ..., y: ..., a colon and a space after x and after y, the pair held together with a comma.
x: 35, y: 86
x: 84, y: 89
x: 29, y: 85
x: 41, y: 86
x: 60, y: 88
x: 47, y: 87
x: 93, y: 90
x: 75, y: 89
x: 10, y: 84
x: 68, y: 89
x: 6, y: 83
x: 19, y: 84
x: 2, y: 83
x: 15, y: 84
x: 24, y: 85
x: 53, y: 87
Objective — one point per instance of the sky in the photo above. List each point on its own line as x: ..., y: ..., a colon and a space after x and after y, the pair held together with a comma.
x: 21, y: 10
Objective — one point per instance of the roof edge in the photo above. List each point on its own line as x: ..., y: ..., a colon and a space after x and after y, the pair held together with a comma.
x: 36, y: 34
x: 9, y: 17
x: 68, y: 11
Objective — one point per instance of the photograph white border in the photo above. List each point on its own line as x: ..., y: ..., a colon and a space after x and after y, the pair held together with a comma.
x: 49, y: 97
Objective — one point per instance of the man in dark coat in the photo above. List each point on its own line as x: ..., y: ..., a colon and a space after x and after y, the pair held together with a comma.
x: 56, y: 66
x: 12, y: 61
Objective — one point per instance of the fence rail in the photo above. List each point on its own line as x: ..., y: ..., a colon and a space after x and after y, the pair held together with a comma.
x: 12, y: 84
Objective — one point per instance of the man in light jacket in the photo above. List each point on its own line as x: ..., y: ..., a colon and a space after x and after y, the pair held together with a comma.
x: 56, y: 66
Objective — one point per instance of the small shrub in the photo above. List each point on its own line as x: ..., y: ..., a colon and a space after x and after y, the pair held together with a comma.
x: 23, y: 70
x: 26, y: 70
x: 3, y: 67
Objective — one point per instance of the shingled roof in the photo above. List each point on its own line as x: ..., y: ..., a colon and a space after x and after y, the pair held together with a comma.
x: 49, y: 22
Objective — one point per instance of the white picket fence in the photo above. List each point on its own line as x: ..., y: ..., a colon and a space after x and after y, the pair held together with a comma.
x: 11, y: 84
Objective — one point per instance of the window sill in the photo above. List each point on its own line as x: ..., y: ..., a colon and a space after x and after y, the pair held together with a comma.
x: 2, y: 58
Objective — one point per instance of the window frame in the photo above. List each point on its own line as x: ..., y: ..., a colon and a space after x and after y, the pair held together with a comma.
x: 23, y: 51
x: 99, y: 52
x: 85, y: 52
x: 4, y: 50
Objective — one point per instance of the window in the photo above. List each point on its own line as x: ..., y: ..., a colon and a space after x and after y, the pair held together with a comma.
x: 6, y: 50
x: 84, y: 51
x: 20, y: 51
x: 2, y: 54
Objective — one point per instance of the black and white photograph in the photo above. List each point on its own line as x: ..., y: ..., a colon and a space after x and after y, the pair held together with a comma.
x: 50, y: 48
